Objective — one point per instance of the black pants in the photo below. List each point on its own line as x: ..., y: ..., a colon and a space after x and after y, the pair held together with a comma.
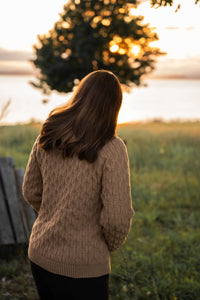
x: 51, y: 286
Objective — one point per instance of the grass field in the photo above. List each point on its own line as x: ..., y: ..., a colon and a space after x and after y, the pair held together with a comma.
x: 161, y: 258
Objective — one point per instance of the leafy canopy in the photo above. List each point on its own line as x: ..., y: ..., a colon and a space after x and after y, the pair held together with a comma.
x: 167, y: 2
x: 93, y: 35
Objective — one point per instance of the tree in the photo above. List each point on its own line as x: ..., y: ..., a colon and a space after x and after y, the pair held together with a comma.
x: 93, y: 35
x: 167, y: 2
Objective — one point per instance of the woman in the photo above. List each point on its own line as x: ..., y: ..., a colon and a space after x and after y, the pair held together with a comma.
x: 77, y: 179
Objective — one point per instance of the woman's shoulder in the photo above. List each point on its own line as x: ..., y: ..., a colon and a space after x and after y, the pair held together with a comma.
x: 115, y: 148
x: 116, y: 141
x: 37, y: 148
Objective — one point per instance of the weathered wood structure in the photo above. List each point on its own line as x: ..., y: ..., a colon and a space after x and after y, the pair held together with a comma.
x: 16, y: 215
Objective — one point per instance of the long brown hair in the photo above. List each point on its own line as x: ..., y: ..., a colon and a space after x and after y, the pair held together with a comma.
x: 84, y: 124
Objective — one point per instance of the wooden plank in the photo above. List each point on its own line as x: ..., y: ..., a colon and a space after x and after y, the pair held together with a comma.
x: 27, y: 212
x: 9, y: 183
x: 6, y: 232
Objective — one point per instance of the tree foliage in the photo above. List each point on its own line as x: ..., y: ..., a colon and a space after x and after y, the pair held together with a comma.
x: 93, y: 35
x: 167, y: 2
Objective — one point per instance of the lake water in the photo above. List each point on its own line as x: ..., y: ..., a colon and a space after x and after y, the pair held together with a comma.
x: 162, y: 99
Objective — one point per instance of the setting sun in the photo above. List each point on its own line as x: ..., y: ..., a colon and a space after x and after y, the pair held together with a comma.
x: 135, y: 50
x: 123, y: 46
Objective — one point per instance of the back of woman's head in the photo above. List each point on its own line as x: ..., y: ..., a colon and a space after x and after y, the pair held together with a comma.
x: 83, y: 125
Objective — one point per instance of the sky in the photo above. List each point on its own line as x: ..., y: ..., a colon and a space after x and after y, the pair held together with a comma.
x: 21, y: 21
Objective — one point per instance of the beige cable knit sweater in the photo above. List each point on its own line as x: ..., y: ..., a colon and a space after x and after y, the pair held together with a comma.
x: 84, y: 209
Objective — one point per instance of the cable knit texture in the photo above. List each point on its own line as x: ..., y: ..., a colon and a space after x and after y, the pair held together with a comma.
x: 84, y: 209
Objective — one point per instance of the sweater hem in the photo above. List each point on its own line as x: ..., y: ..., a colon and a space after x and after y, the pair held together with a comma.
x: 70, y: 270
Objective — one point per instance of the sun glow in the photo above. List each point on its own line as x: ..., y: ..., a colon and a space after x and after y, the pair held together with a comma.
x: 132, y: 11
x: 135, y: 50
x: 124, y: 46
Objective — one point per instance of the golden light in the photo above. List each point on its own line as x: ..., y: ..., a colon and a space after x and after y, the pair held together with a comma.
x: 59, y: 25
x: 117, y: 39
x: 123, y: 46
x: 64, y: 55
x: 105, y: 22
x: 106, y: 13
x: 135, y: 49
x: 112, y: 60
x: 61, y: 38
x: 72, y: 7
x: 127, y: 40
x: 97, y: 19
x: 142, y: 40
x: 89, y: 13
x: 114, y: 48
x: 65, y: 25
x: 121, y: 10
x: 132, y: 11
x: 127, y: 19
x: 121, y: 51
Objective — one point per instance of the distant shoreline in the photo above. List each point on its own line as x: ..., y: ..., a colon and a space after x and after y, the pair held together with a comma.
x: 174, y: 77
x: 159, y: 121
x: 17, y: 73
x: 162, y: 77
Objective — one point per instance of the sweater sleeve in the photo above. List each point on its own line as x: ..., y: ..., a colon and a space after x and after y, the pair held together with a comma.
x: 32, y: 184
x: 117, y: 210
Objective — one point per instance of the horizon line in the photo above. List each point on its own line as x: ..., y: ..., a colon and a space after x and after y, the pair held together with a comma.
x: 167, y: 76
